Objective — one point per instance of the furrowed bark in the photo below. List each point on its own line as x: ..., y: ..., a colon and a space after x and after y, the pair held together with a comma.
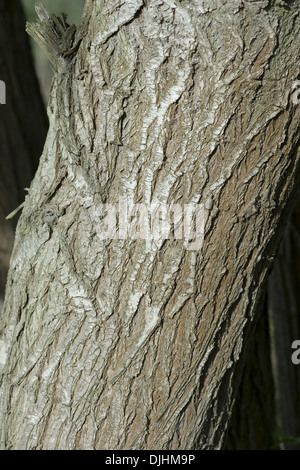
x: 123, y: 344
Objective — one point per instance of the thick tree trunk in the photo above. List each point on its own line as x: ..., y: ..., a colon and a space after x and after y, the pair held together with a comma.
x: 127, y: 344
x: 23, y: 123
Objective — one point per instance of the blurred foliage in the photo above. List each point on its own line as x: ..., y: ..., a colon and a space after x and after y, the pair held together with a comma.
x: 74, y: 9
x: 279, y: 440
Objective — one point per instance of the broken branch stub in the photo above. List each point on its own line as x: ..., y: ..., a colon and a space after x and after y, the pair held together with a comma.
x: 54, y: 36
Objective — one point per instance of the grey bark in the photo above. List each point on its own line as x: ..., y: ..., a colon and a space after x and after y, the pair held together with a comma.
x: 114, y: 344
x: 23, y: 124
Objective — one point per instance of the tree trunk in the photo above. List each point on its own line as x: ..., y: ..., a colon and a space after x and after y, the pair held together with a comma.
x: 132, y: 344
x: 23, y: 124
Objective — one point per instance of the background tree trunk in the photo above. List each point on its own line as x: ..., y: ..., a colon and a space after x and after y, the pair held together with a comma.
x: 23, y: 124
x: 123, y: 344
x: 266, y: 414
x: 284, y: 309
x: 252, y: 425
